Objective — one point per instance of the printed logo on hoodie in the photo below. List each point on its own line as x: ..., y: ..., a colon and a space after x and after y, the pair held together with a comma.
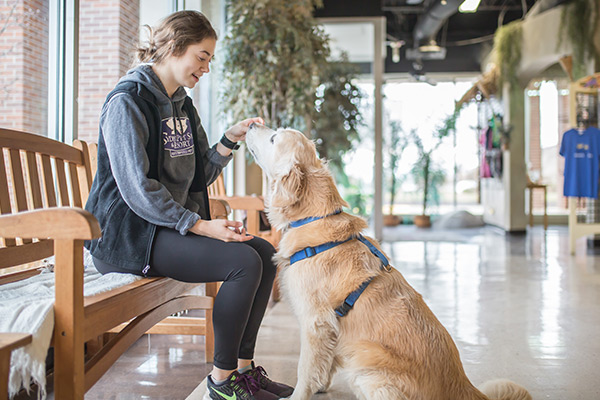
x: 177, y: 136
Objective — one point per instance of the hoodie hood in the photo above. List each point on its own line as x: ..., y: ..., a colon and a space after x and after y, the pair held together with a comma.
x: 145, y: 75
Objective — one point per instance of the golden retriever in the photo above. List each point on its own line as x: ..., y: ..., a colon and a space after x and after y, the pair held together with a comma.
x: 390, y: 345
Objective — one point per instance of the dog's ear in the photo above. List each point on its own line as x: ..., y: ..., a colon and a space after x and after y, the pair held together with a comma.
x: 287, y: 189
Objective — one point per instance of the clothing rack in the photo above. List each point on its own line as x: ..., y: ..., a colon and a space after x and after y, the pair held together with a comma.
x: 577, y: 228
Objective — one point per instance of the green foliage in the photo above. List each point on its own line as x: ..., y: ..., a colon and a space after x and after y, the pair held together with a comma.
x: 276, y: 67
x: 357, y: 199
x: 578, y: 21
x: 394, y: 147
x: 508, y: 40
x: 274, y: 51
x: 336, y: 117
x: 426, y: 171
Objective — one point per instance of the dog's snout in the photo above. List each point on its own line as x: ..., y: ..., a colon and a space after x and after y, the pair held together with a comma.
x: 252, y: 126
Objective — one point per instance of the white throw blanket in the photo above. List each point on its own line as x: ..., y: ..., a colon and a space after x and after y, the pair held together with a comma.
x: 27, y: 306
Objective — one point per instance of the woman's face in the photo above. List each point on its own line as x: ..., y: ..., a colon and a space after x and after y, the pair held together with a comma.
x: 191, y: 65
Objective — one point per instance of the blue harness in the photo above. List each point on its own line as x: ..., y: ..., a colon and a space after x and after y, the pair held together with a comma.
x: 308, y: 252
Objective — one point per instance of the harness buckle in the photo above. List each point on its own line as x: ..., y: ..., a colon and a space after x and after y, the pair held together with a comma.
x: 310, y: 252
x: 388, y: 268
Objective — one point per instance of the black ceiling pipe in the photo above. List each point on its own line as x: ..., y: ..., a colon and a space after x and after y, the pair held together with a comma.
x: 432, y: 20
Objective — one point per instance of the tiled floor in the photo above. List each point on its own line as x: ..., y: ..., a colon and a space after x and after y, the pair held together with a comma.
x: 518, y: 307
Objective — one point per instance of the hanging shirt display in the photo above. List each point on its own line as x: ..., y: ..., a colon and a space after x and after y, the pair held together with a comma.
x: 581, y: 150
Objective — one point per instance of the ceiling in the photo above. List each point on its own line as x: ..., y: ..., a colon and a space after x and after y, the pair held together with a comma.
x: 462, y: 39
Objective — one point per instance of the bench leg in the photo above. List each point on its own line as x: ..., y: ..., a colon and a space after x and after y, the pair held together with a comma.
x: 69, y: 373
x: 4, y: 369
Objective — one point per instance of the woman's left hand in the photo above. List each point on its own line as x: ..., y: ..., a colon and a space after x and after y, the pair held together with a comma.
x: 238, y: 131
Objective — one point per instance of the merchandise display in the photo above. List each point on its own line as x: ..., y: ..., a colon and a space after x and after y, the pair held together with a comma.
x: 491, y: 148
x: 581, y: 150
x: 579, y: 147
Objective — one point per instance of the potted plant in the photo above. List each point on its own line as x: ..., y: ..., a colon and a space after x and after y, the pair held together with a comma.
x: 395, y: 145
x: 277, y: 66
x: 426, y: 172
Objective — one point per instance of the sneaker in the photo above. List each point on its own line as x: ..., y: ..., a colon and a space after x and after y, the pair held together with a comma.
x: 259, y: 374
x: 237, y: 387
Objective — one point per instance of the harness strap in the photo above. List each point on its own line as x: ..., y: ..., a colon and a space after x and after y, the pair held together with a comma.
x: 304, y: 221
x: 313, y: 251
x: 348, y: 303
x: 375, y: 250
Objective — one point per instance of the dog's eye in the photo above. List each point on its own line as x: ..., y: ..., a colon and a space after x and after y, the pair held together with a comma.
x: 272, y: 139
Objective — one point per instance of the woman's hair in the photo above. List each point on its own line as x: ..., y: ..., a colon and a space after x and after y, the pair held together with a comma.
x: 173, y: 35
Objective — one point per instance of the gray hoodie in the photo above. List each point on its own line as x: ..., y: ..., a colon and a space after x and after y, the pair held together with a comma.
x: 166, y: 201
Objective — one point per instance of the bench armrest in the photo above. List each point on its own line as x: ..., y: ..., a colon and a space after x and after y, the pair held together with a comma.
x: 11, y: 341
x: 51, y: 223
x: 243, y: 202
x: 219, y: 209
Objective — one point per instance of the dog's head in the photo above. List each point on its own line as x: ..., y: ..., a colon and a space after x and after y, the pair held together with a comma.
x: 279, y: 152
x: 296, y: 175
x: 285, y: 155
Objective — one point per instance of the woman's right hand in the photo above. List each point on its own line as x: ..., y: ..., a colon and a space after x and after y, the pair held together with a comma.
x: 222, y: 229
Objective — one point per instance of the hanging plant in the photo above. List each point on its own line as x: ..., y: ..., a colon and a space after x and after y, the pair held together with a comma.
x: 577, y: 24
x: 507, y: 42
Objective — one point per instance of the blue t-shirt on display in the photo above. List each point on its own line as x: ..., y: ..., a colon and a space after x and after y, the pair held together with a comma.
x: 581, y: 151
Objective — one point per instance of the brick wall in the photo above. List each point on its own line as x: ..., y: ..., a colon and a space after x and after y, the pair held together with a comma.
x: 24, y: 66
x: 108, y: 33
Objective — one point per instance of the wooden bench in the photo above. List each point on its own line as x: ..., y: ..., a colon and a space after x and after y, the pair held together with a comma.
x: 43, y: 185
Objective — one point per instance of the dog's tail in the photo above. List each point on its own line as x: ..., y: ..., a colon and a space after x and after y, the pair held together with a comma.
x: 502, y: 389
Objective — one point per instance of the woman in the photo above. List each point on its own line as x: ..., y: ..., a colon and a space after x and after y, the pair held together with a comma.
x: 150, y: 197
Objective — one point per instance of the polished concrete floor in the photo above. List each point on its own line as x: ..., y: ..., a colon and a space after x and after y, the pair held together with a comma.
x: 518, y: 307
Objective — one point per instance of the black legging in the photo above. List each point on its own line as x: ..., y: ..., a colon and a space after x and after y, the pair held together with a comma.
x: 247, y: 272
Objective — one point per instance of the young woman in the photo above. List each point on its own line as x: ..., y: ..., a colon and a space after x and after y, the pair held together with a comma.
x: 150, y: 197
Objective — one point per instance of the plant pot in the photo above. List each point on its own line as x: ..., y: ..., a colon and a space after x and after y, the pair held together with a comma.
x: 391, y: 220
x: 422, y: 221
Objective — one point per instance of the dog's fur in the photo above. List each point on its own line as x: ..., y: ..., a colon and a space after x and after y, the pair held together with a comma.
x: 390, y: 345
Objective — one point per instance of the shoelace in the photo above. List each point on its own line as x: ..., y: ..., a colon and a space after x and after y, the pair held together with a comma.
x: 262, y: 374
x: 248, y: 381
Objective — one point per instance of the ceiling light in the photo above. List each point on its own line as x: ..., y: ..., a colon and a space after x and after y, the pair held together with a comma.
x: 469, y: 6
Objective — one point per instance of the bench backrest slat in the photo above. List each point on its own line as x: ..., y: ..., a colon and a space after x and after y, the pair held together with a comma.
x: 18, y: 182
x: 49, y: 192
x: 74, y: 179
x: 38, y: 172
x: 20, y: 196
x: 86, y: 171
x: 61, y: 177
x: 5, y: 207
x: 33, y: 180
